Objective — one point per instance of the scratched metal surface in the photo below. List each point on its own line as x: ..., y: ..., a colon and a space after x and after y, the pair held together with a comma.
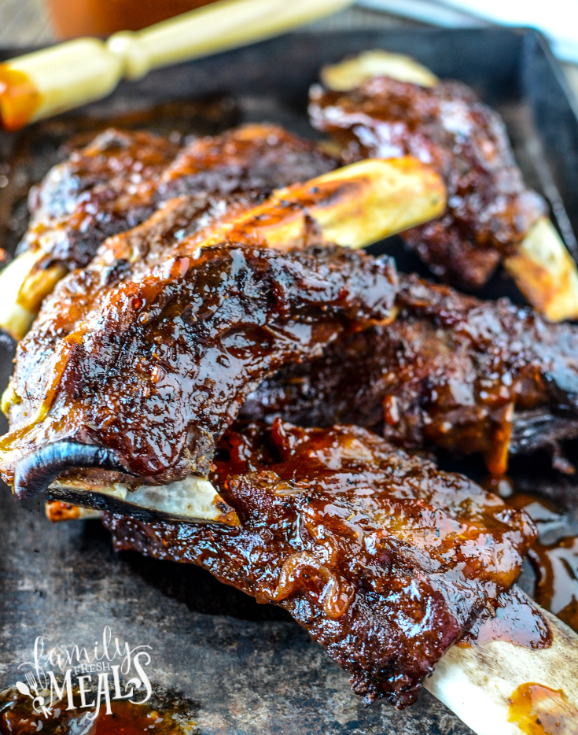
x: 246, y: 668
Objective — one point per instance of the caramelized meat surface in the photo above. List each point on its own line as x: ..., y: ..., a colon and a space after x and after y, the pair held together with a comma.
x: 249, y: 158
x: 228, y: 171
x: 451, y: 371
x: 158, y: 366
x: 118, y: 181
x: 382, y: 558
x: 489, y: 208
x: 100, y: 190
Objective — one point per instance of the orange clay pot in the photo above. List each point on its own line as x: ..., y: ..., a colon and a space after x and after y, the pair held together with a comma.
x: 73, y: 18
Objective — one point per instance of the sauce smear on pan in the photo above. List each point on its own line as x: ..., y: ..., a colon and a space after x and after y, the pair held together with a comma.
x: 557, y: 587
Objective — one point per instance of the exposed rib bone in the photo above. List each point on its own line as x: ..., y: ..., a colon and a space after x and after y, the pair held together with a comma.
x: 546, y: 273
x: 57, y: 511
x: 22, y: 288
x: 353, y: 206
x: 193, y: 500
x: 479, y: 682
x: 354, y: 71
x: 360, y: 204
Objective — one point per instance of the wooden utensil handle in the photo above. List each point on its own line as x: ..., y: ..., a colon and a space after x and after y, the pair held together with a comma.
x: 60, y: 78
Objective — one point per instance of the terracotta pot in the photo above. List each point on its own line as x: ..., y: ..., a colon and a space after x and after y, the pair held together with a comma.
x: 72, y: 18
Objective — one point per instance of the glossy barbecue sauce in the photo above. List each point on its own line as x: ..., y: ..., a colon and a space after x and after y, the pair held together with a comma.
x: 19, y: 98
x: 539, y: 710
x: 556, y: 564
x: 18, y: 718
x: 514, y: 620
x: 352, y: 538
x: 557, y: 587
x: 489, y: 208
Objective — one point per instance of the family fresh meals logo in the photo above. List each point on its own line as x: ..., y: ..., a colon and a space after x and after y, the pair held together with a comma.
x: 86, y: 678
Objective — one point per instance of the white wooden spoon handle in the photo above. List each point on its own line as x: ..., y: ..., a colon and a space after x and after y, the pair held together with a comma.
x: 60, y: 78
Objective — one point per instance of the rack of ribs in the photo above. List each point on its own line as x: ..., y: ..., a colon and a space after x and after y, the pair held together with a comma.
x: 120, y: 179
x: 151, y: 351
x: 209, y: 310
x: 439, y: 367
x: 385, y: 560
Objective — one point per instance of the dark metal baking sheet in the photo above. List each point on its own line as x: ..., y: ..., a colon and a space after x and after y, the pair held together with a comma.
x: 247, y: 668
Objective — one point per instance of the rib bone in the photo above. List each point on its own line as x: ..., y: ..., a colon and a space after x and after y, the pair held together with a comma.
x: 193, y: 500
x: 546, y: 273
x: 57, y: 511
x: 353, y: 206
x: 354, y: 71
x: 22, y: 289
x: 478, y: 683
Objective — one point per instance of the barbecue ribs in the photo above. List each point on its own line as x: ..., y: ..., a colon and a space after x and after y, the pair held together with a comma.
x: 490, y: 210
x: 382, y: 558
x: 156, y: 368
x: 448, y: 371
x: 118, y: 180
x: 451, y: 371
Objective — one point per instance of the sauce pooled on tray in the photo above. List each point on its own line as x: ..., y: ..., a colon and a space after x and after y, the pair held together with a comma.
x: 555, y: 563
x: 17, y: 717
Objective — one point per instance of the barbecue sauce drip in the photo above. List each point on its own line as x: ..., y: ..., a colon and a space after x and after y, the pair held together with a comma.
x: 539, y: 710
x: 514, y: 620
x: 555, y: 564
x: 18, y: 718
x: 557, y: 587
x: 19, y: 98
